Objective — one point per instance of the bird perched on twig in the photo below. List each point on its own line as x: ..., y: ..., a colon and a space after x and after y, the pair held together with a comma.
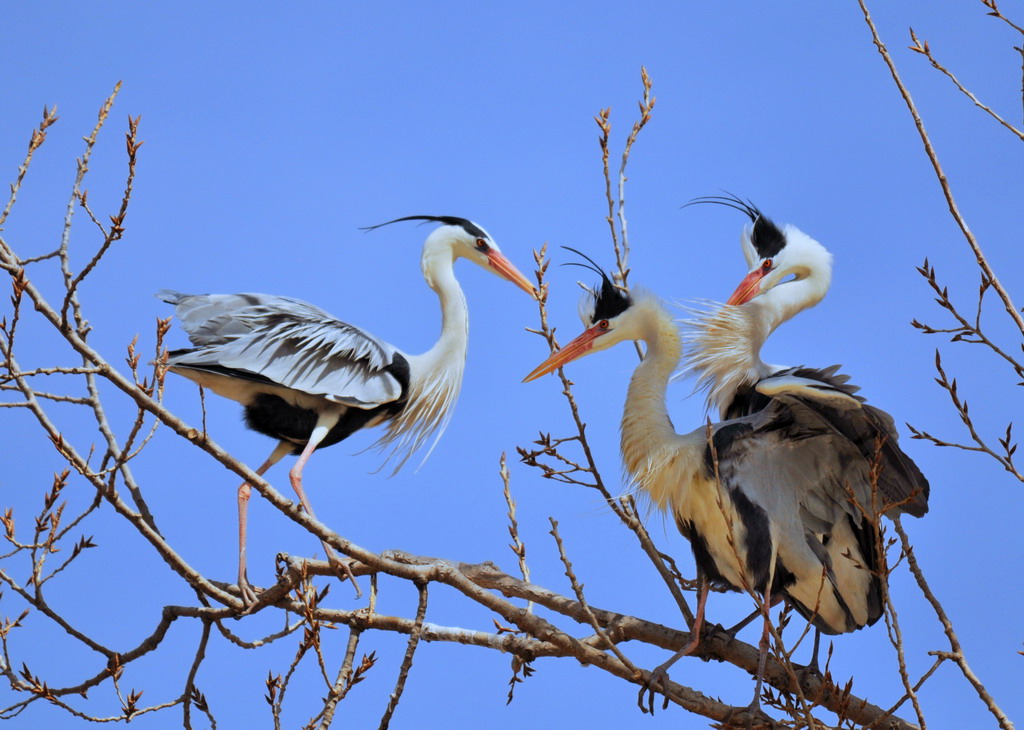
x: 781, y: 498
x: 310, y: 380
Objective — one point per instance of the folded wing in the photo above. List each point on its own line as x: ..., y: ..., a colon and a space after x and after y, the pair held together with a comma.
x: 286, y: 342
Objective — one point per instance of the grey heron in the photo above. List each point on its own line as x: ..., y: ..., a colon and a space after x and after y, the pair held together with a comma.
x: 767, y: 497
x: 310, y: 380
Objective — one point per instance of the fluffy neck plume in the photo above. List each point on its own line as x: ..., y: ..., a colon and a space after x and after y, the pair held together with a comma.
x: 436, y: 375
x: 724, y: 351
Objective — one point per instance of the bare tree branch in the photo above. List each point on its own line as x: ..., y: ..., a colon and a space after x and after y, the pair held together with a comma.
x: 954, y: 210
x: 556, y: 626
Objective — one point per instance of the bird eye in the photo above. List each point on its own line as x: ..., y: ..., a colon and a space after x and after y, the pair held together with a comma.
x: 603, y: 324
x: 766, y: 266
x: 481, y: 244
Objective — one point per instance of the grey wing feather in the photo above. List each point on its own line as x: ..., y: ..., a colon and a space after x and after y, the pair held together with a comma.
x: 287, y: 341
x: 214, y: 319
x: 812, y: 388
x: 796, y: 469
x: 868, y: 436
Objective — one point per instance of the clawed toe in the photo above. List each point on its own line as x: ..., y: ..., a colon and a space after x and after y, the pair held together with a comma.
x: 757, y: 718
x: 754, y: 717
x: 342, y: 570
x: 246, y: 593
x: 812, y: 670
x: 656, y: 682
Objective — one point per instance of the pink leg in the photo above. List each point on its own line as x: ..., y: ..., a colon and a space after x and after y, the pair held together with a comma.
x: 660, y: 673
x: 698, y: 623
x: 295, y: 475
x: 323, y: 427
x: 247, y: 593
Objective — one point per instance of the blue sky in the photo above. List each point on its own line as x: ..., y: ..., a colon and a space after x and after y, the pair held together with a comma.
x: 274, y: 132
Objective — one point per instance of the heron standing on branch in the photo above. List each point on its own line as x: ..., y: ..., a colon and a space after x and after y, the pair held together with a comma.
x: 780, y: 500
x: 310, y: 380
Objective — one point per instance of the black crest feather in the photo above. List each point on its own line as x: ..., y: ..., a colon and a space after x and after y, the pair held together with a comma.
x: 449, y: 220
x: 766, y: 237
x: 609, y: 301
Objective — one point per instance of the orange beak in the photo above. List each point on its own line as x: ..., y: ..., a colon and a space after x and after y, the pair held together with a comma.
x: 507, y: 270
x: 748, y: 288
x: 575, y: 349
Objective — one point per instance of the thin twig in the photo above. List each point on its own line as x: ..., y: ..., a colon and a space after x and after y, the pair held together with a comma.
x: 410, y: 650
x: 577, y: 588
x: 517, y: 546
x: 956, y: 654
x: 925, y: 50
x: 35, y: 142
x: 954, y: 210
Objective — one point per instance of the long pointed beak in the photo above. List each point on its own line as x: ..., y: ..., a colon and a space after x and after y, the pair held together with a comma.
x: 575, y: 349
x: 507, y: 270
x: 748, y: 288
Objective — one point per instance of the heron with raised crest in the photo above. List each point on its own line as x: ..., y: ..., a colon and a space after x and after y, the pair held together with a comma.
x: 781, y: 497
x: 310, y: 380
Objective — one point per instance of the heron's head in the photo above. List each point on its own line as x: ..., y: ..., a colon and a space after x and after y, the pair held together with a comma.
x: 609, y: 315
x: 776, y: 255
x: 460, y: 237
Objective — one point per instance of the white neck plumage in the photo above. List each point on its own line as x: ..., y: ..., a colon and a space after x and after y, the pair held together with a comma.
x: 436, y: 375
x: 648, y: 439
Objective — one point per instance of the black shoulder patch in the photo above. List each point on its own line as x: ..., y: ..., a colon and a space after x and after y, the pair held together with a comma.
x: 399, y: 369
x: 722, y: 440
x: 747, y: 401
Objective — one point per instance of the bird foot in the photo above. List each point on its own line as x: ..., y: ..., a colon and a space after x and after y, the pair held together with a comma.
x: 811, y: 680
x: 246, y: 593
x: 758, y: 718
x: 717, y: 628
x: 342, y: 570
x: 656, y: 682
x: 811, y: 670
x: 750, y: 717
